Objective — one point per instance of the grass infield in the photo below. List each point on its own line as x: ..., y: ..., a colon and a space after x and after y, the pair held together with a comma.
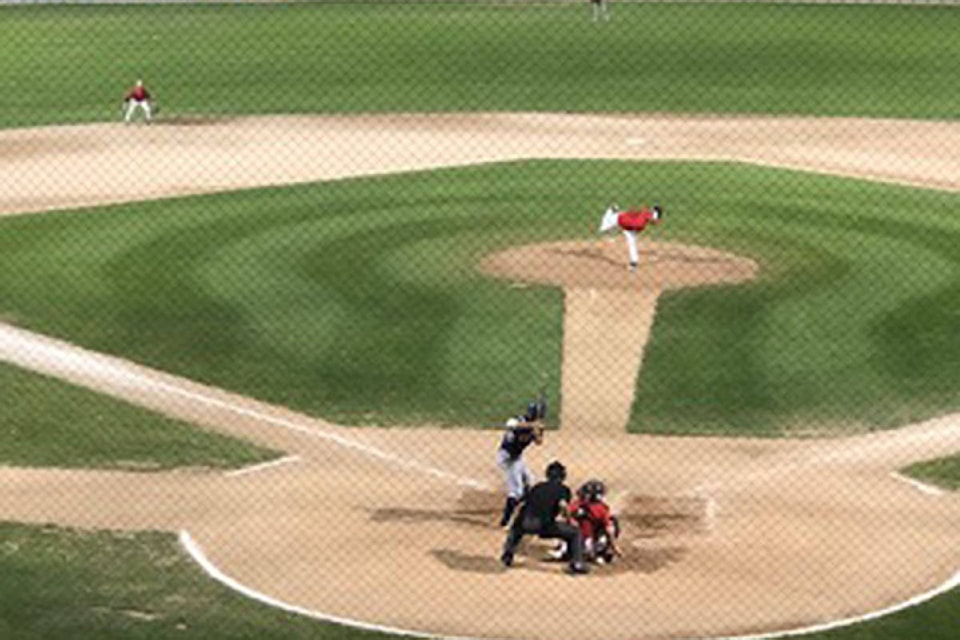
x: 71, y: 63
x: 64, y: 584
x: 944, y: 472
x: 47, y: 422
x: 360, y: 300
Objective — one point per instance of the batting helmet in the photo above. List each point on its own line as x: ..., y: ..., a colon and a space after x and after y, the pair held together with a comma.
x: 556, y: 471
x: 533, y: 413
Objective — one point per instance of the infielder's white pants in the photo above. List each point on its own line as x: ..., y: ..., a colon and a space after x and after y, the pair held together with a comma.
x: 631, y: 237
x: 132, y: 106
x: 515, y: 471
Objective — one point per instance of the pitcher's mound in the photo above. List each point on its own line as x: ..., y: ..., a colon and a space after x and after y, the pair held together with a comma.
x: 603, y: 265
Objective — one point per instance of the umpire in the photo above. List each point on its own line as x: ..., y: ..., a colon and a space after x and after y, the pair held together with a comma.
x: 538, y: 516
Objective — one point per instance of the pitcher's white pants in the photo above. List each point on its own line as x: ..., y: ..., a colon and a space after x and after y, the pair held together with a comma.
x: 631, y: 238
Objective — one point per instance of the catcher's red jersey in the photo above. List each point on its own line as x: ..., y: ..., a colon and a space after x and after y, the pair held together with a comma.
x: 592, y: 517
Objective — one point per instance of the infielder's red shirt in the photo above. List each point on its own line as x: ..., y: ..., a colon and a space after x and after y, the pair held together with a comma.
x: 138, y: 93
x: 634, y: 220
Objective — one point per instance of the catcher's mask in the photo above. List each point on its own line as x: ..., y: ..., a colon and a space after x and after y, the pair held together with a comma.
x: 592, y: 491
x: 556, y: 471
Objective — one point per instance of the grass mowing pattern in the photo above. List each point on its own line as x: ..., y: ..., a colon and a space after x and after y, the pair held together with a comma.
x: 70, y: 64
x: 64, y: 584
x: 944, y: 472
x: 47, y: 422
x: 360, y: 300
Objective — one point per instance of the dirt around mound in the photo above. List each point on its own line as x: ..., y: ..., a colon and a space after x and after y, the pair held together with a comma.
x: 602, y: 265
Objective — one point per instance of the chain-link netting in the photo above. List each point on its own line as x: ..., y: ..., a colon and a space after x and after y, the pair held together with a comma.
x: 516, y: 320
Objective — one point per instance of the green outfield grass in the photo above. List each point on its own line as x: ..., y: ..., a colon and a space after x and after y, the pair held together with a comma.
x: 944, y: 472
x: 361, y: 300
x: 142, y: 587
x: 46, y: 422
x: 69, y: 64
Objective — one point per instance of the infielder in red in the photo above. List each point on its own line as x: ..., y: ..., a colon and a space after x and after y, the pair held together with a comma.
x: 631, y: 222
x: 138, y: 97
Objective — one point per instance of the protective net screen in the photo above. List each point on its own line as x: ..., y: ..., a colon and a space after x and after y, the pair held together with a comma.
x: 479, y: 320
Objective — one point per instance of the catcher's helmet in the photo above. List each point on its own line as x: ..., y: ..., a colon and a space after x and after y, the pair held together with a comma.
x: 556, y: 471
x: 592, y: 491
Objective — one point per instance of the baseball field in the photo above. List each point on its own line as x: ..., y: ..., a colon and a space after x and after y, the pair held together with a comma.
x: 254, y: 356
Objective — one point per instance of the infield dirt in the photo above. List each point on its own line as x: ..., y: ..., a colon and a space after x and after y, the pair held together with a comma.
x: 396, y: 527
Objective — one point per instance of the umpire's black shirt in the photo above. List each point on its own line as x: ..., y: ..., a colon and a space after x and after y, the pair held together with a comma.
x: 543, y: 502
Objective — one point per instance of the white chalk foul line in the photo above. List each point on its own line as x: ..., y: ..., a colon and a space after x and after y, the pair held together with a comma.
x: 67, y: 361
x: 922, y: 487
x: 196, y: 553
x: 263, y: 466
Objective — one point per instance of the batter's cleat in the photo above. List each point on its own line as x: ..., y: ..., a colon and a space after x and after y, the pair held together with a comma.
x: 506, y: 559
x: 578, y: 569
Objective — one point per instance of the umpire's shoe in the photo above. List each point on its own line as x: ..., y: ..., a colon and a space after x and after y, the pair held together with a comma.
x: 506, y: 559
x: 578, y: 569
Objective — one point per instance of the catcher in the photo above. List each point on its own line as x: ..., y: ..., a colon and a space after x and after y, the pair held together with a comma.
x: 599, y: 528
x: 521, y: 432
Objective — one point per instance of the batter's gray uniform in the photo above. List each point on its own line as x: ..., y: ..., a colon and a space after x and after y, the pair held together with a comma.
x: 520, y: 435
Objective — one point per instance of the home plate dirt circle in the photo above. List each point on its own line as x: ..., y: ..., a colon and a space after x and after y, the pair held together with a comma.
x: 395, y: 528
x: 750, y: 552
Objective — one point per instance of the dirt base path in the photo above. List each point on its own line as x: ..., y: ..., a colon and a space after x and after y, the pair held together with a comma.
x: 723, y: 537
